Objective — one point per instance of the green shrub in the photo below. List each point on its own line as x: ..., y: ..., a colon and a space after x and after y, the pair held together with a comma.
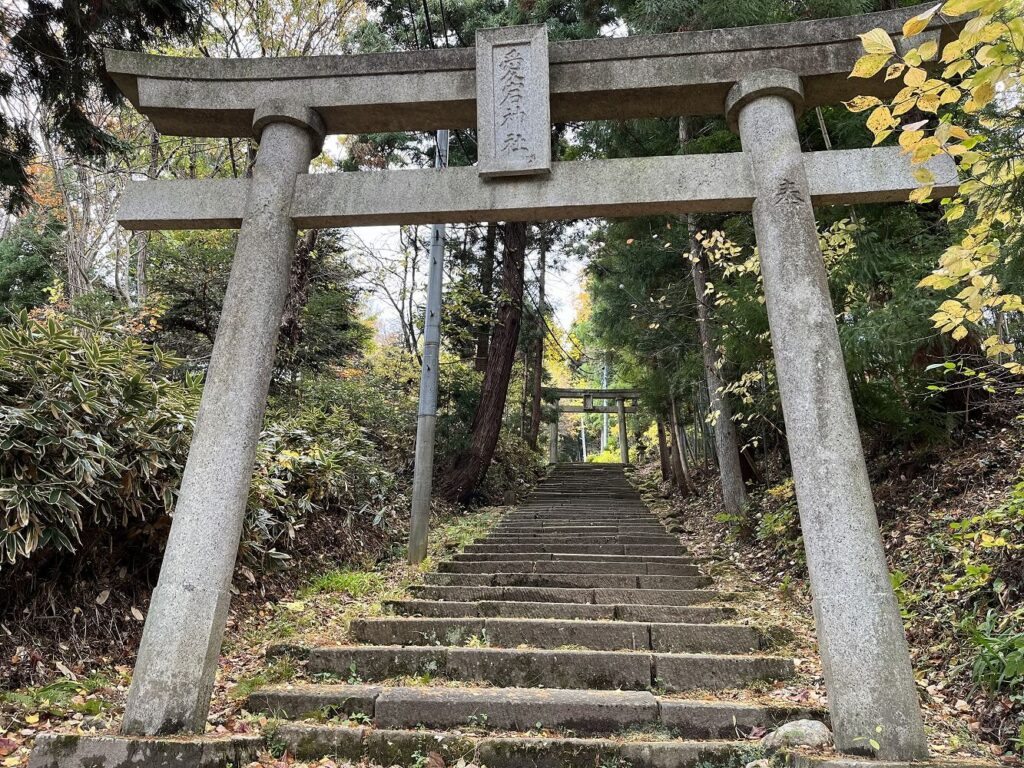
x: 999, y: 643
x: 92, y: 431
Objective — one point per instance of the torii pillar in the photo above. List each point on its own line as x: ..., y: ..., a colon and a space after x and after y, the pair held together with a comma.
x: 863, y: 648
x: 553, y: 440
x: 174, y: 674
x: 620, y: 405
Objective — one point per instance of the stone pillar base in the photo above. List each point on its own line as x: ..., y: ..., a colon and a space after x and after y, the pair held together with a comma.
x: 69, y: 750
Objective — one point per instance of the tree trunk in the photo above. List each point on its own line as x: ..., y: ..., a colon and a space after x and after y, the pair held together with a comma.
x: 538, y: 363
x: 298, y: 289
x: 663, y: 450
x: 678, y: 470
x: 483, y: 334
x: 469, y: 469
x: 679, y: 443
x: 734, y: 492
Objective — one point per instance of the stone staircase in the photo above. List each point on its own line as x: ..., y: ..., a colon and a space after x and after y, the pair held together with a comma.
x: 577, y: 632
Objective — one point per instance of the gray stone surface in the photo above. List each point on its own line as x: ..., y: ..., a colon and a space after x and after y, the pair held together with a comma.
x: 528, y: 668
x: 686, y: 672
x: 610, y: 78
x: 799, y: 733
x: 55, y: 750
x: 860, y: 633
x: 703, y: 638
x: 395, y: 747
x: 513, y: 104
x: 518, y: 709
x: 810, y: 761
x: 297, y: 701
x: 174, y: 673
x: 720, y: 719
x: 375, y: 663
x: 541, y: 633
x: 580, y: 189
x: 654, y: 596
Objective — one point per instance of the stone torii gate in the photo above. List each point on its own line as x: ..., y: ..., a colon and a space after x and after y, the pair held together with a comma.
x: 588, y: 396
x: 510, y: 89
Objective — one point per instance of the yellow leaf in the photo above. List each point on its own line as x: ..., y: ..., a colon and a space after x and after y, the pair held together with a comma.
x: 956, y: 68
x: 959, y: 332
x: 928, y: 50
x: 909, y: 138
x: 955, y: 213
x: 950, y: 95
x: 880, y: 120
x: 952, y: 51
x: 915, y: 76
x: 920, y: 195
x: 919, y: 23
x: 960, y: 7
x: 869, y: 66
x: 32, y: 719
x: 929, y: 102
x: 878, y: 41
x: 861, y: 103
x: 983, y: 94
x: 894, y: 71
x: 923, y: 176
x: 880, y: 137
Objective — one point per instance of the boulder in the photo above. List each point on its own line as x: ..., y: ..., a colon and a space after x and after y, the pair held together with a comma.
x: 798, y: 733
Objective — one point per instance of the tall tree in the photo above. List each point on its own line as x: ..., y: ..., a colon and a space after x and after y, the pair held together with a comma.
x: 469, y: 467
x: 51, y: 64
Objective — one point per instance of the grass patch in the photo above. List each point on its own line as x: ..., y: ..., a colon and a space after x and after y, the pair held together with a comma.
x: 353, y: 583
x: 62, y: 697
x: 282, y: 670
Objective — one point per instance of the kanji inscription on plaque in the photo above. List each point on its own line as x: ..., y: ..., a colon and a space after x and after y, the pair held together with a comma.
x: 513, y: 101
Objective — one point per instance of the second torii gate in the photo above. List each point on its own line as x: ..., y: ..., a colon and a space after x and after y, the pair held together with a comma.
x: 510, y: 89
x: 588, y: 396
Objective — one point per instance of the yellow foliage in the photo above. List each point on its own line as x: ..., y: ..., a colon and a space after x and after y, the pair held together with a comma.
x: 985, y: 59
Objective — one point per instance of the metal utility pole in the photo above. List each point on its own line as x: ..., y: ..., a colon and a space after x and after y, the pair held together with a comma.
x: 426, y: 419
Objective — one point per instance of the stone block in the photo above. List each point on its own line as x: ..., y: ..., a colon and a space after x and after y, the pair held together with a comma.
x: 65, y: 750
x: 516, y: 709
x: 687, y: 672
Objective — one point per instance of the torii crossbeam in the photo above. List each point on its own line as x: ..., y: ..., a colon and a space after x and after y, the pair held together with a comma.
x: 588, y: 396
x: 759, y: 78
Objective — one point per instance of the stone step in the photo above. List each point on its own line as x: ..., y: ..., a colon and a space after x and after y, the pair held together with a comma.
x: 520, y: 709
x: 567, y: 580
x: 660, y: 540
x: 577, y: 611
x: 553, y: 633
x: 578, y: 530
x: 567, y: 566
x: 548, y: 668
x: 581, y: 514
x: 563, y: 595
x: 571, y: 548
x: 481, y: 557
x: 405, y: 747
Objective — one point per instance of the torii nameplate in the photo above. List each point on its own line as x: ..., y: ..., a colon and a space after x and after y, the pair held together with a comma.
x: 513, y: 101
